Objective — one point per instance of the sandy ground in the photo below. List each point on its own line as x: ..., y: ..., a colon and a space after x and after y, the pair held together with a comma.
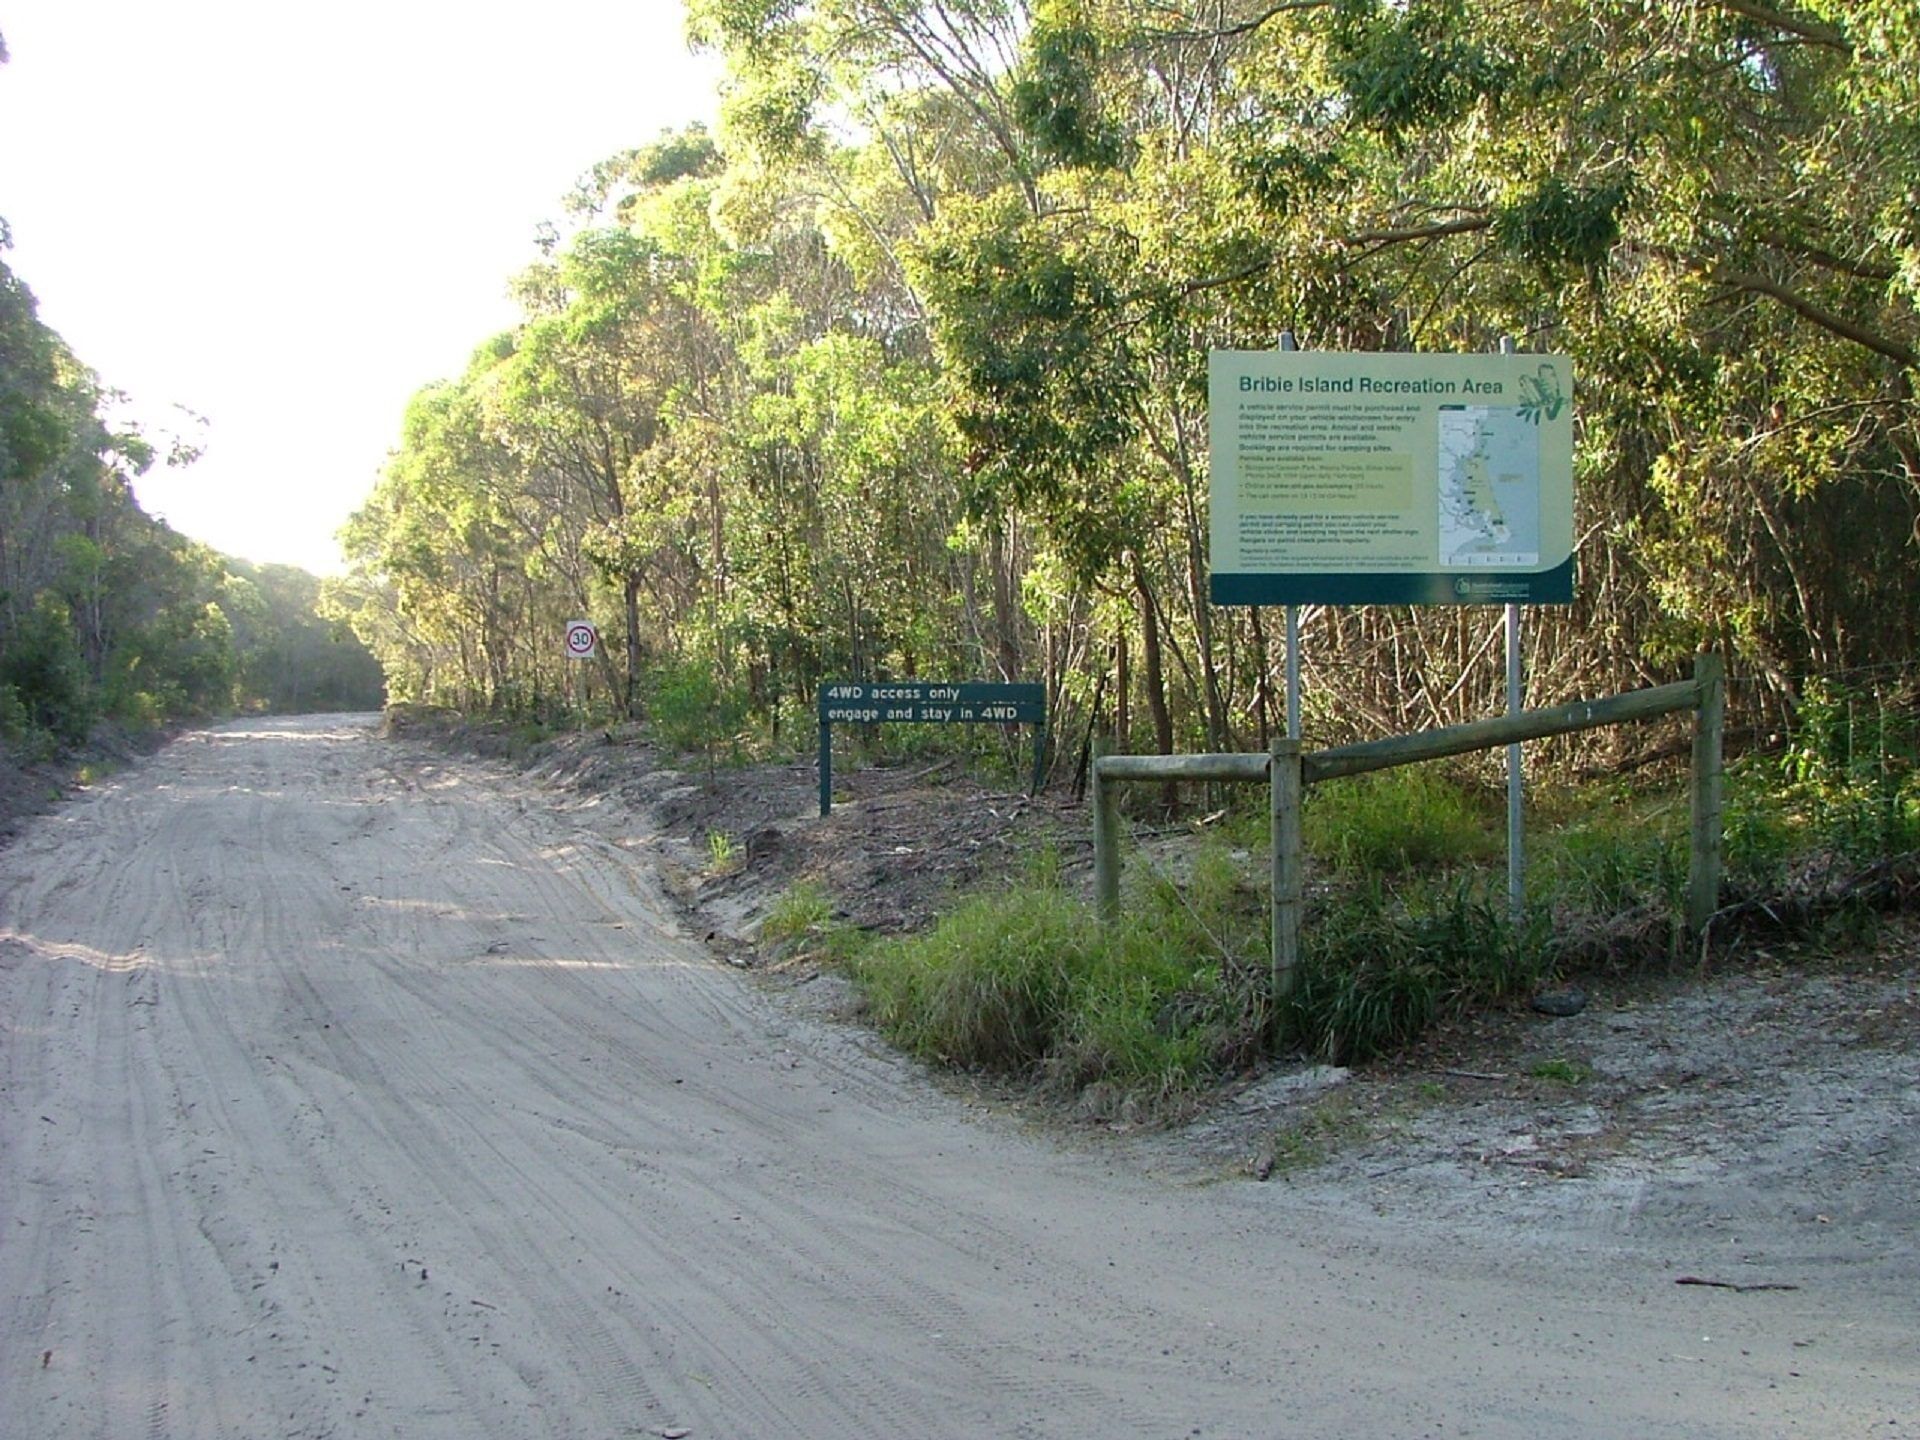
x: 348, y: 1090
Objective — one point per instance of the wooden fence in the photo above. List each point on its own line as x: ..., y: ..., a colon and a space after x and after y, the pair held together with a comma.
x: 1289, y: 771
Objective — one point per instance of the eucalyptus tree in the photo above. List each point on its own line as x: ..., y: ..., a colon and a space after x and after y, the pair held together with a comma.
x: 434, y: 557
x: 102, y: 608
x: 906, y: 366
x: 1709, y: 206
x: 943, y: 189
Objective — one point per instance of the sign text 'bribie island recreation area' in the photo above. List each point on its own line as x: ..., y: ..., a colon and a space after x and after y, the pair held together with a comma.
x: 1376, y: 479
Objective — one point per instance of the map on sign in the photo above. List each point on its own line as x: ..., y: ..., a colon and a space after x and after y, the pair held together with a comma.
x: 1489, y: 486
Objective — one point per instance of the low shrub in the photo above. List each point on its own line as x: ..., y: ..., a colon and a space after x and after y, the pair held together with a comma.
x: 1376, y: 970
x: 1028, y: 983
x: 694, y: 709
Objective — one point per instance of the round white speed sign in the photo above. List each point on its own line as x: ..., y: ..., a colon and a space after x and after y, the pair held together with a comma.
x: 581, y: 638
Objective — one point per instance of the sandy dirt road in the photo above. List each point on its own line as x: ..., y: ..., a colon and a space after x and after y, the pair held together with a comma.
x: 350, y: 1091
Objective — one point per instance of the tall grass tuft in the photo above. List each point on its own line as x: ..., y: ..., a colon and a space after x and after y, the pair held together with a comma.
x: 989, y: 986
x: 1410, y: 817
x: 801, y: 925
x: 1614, y: 859
x: 1028, y: 983
x: 1377, y: 971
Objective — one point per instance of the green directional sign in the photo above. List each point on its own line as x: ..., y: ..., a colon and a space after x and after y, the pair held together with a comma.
x: 926, y: 702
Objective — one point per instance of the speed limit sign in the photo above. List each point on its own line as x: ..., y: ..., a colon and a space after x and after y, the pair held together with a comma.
x: 582, y: 638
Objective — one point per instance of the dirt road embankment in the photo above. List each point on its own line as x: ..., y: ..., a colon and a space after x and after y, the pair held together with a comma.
x: 346, y: 1090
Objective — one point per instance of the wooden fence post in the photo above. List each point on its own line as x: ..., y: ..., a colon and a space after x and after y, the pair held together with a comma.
x: 1709, y: 726
x: 1105, y: 795
x: 1286, y: 788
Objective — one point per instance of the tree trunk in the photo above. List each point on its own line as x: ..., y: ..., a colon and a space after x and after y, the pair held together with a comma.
x: 630, y: 692
x: 1005, y: 615
x: 1155, y: 678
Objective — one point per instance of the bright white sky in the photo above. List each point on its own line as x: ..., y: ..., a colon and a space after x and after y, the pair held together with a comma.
x: 288, y: 218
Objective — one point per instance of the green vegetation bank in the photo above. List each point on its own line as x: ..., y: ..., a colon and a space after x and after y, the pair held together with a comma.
x: 901, y: 373
x: 106, y: 614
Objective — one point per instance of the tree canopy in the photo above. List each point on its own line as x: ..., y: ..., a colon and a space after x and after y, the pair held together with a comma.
x: 105, y: 612
x: 903, y: 370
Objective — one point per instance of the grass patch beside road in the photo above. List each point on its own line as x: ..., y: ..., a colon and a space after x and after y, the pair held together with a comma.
x: 1027, y: 982
x: 1408, y: 924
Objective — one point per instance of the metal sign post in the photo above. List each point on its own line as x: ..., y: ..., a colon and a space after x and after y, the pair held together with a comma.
x: 1289, y: 344
x: 1516, y: 781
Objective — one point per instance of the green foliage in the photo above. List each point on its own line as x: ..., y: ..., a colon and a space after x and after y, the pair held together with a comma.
x: 1377, y: 968
x: 103, y: 610
x: 1407, y: 67
x: 1409, y: 817
x: 1852, y: 767
x: 902, y: 372
x: 15, y: 719
x: 1613, y: 854
x: 802, y: 909
x: 1025, y: 331
x: 1846, y: 788
x: 288, y: 658
x: 1571, y: 1073
x: 1762, y: 833
x: 1029, y: 983
x: 45, y: 672
x: 693, y: 708
x: 989, y: 987
x: 1054, y: 99
x: 1559, y: 227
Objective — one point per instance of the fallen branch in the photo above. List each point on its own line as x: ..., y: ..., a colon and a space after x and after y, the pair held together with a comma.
x: 1733, y: 1284
x: 1889, y: 884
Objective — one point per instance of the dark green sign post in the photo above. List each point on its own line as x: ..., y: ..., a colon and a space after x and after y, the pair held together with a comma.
x: 926, y: 702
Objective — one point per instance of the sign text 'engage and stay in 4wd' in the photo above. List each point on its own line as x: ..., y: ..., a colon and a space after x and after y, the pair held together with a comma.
x: 930, y: 703
x: 927, y: 702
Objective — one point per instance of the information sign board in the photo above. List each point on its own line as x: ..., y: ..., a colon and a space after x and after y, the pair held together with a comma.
x: 1346, y: 478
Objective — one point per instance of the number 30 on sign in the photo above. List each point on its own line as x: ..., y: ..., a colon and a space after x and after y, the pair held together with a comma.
x: 582, y: 639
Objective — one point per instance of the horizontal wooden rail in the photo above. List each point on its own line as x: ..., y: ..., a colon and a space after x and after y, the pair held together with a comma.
x: 1290, y: 772
x: 1505, y: 730
x: 1184, y: 767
